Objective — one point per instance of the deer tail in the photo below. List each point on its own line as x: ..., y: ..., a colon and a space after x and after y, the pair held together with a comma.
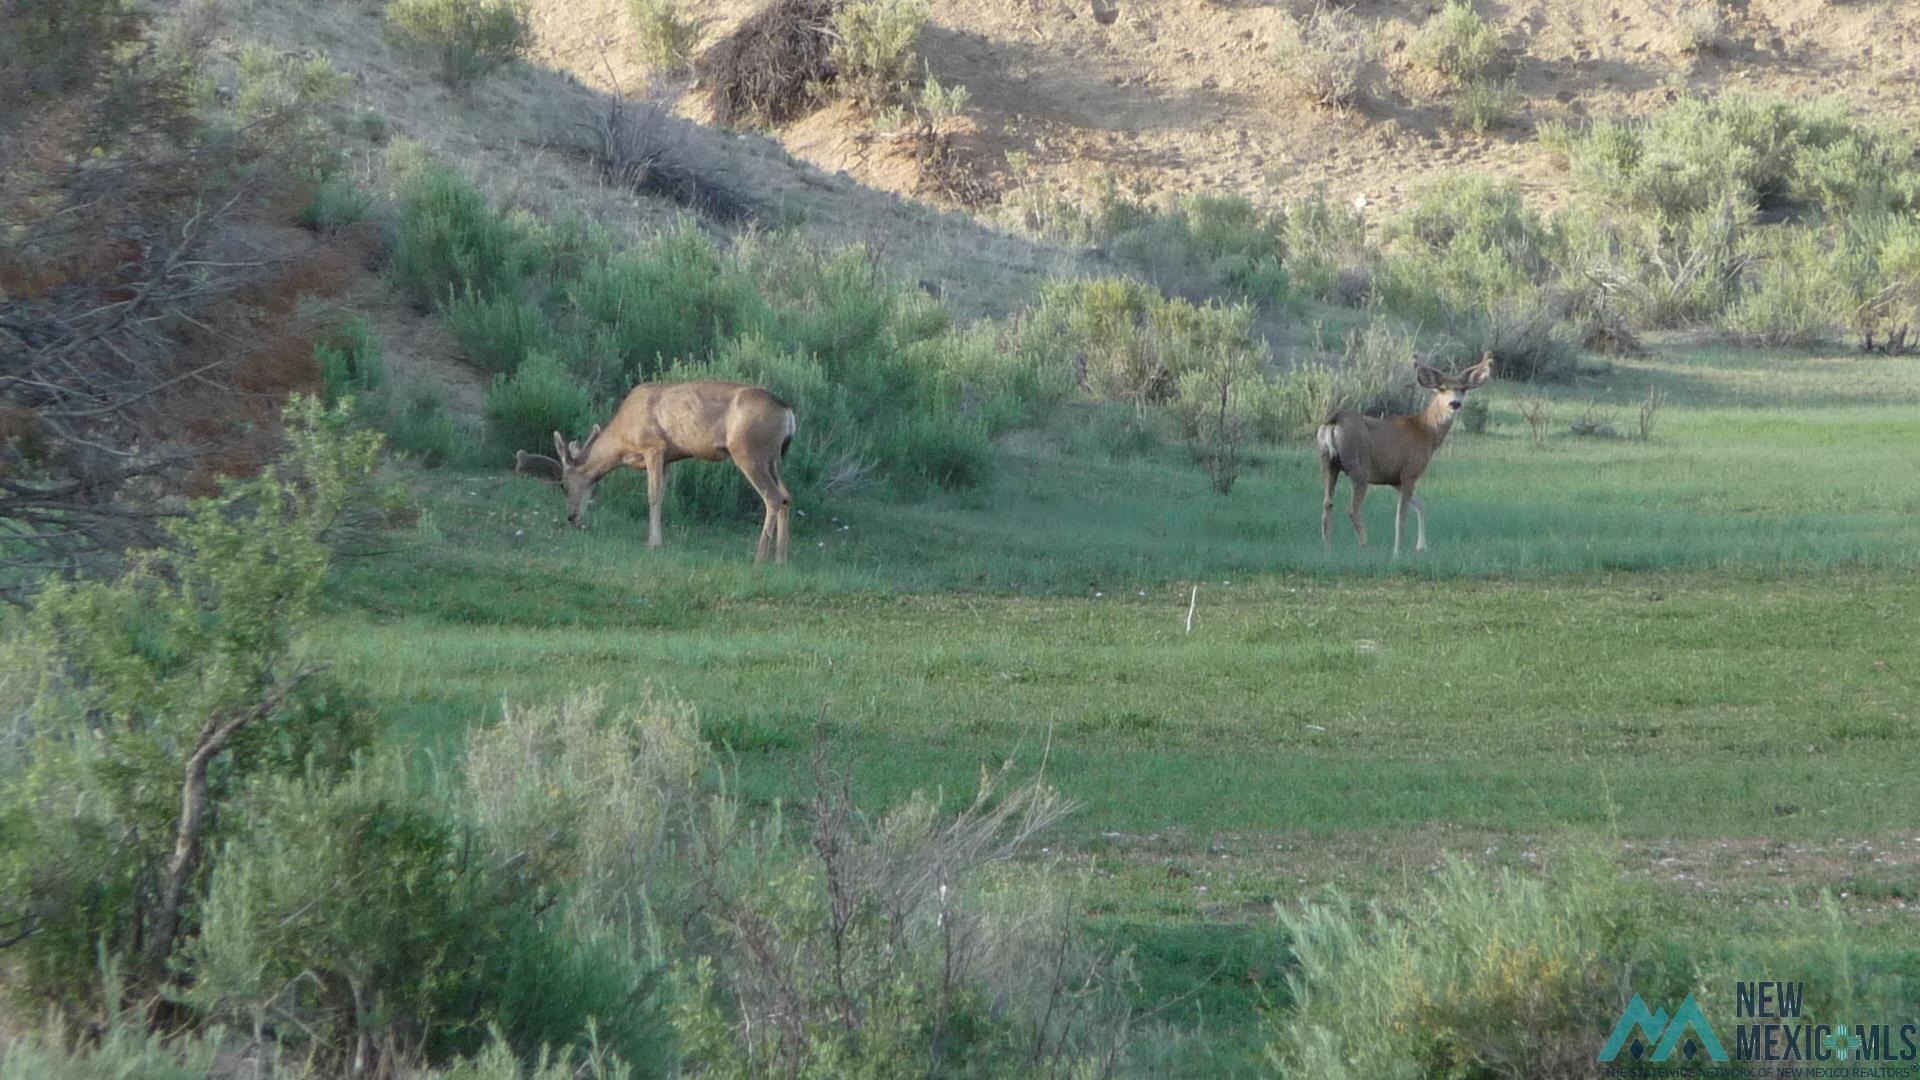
x: 1327, y: 441
x: 787, y: 440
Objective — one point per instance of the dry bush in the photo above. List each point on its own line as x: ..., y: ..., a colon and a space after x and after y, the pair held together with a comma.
x: 1701, y: 27
x: 775, y: 65
x: 642, y: 146
x: 1327, y: 54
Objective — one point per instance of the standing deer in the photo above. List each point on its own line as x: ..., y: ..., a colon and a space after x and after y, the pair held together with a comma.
x: 1391, y: 450
x: 661, y: 423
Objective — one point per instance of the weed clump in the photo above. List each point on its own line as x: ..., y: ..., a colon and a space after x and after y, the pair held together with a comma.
x: 1326, y: 54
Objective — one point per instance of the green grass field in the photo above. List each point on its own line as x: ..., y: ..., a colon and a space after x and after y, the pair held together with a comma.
x: 1678, y: 648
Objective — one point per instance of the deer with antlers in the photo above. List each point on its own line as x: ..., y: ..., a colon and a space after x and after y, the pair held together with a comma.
x: 1392, y: 450
x: 661, y: 423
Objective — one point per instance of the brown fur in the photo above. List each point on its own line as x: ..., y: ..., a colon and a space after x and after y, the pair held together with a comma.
x: 661, y: 423
x: 1392, y: 450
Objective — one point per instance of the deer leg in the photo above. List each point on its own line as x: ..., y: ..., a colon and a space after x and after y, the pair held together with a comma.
x: 773, y: 497
x: 1400, y: 516
x: 1329, y: 476
x: 1353, y: 511
x: 1419, y: 521
x: 786, y: 512
x: 656, y: 466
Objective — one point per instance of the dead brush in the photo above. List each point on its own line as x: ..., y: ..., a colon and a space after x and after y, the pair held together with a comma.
x: 774, y: 67
x: 642, y: 147
x: 1538, y: 413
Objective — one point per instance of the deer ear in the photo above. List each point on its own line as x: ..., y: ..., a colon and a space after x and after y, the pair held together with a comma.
x: 559, y: 446
x: 1427, y: 377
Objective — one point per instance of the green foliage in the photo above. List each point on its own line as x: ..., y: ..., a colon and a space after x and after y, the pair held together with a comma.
x: 352, y: 363
x: 449, y: 243
x: 541, y: 397
x: 1328, y: 256
x: 497, y: 332
x: 675, y: 298
x: 1326, y: 54
x: 125, y: 1049
x: 1121, y: 340
x: 1483, y: 104
x: 1800, y: 290
x: 665, y: 37
x: 1492, y: 975
x: 419, y: 426
x: 336, y: 203
x: 875, y: 50
x: 1457, y: 43
x: 1764, y: 152
x: 470, y: 38
x: 278, y: 102
x: 1205, y: 243
x: 130, y: 675
x: 367, y: 909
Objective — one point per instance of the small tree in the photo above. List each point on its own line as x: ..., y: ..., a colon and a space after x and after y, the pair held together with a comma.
x: 471, y: 37
x: 141, y: 692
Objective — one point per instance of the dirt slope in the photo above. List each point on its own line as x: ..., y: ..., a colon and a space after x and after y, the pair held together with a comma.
x: 1180, y: 95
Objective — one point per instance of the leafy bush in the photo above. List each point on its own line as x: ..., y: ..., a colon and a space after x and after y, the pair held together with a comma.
x: 1328, y: 256
x: 1123, y: 341
x: 1492, y: 975
x: 498, y: 332
x: 336, y: 203
x: 541, y: 397
x: 352, y: 362
x: 1763, y: 152
x: 158, y: 696
x: 278, y: 102
x: 666, y: 37
x: 1326, y: 54
x: 875, y: 49
x: 449, y: 243
x: 419, y: 426
x: 1457, y: 43
x: 1466, y: 243
x: 675, y: 298
x: 1205, y: 244
x: 53, y: 46
x: 1798, y: 292
x: 469, y: 37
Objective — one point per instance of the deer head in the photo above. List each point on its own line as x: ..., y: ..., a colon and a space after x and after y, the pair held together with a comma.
x: 1450, y: 391
x: 569, y: 468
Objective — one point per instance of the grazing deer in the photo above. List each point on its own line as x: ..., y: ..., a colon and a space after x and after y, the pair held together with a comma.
x: 1391, y: 450
x: 661, y: 423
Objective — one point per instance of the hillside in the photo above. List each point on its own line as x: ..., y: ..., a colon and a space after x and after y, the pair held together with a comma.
x: 1182, y: 96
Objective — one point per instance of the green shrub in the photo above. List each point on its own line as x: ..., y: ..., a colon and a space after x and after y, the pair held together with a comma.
x: 1490, y: 975
x: 448, y: 242
x: 1798, y: 292
x: 1328, y: 256
x: 56, y: 46
x: 1700, y: 27
x: 469, y: 37
x: 541, y: 397
x: 666, y: 38
x: 677, y: 297
x: 125, y: 1049
x: 1467, y: 243
x: 1121, y: 340
x: 498, y: 332
x: 278, y: 103
x: 1326, y: 54
x: 1483, y: 104
x: 1205, y: 244
x: 175, y: 683
x: 1457, y: 43
x: 336, y: 203
x: 1764, y: 152
x: 352, y: 362
x: 875, y: 49
x: 421, y: 428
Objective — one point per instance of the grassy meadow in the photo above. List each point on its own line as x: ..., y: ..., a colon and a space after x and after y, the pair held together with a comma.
x: 1678, y: 647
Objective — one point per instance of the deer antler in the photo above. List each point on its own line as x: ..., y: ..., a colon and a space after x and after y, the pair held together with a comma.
x: 523, y: 460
